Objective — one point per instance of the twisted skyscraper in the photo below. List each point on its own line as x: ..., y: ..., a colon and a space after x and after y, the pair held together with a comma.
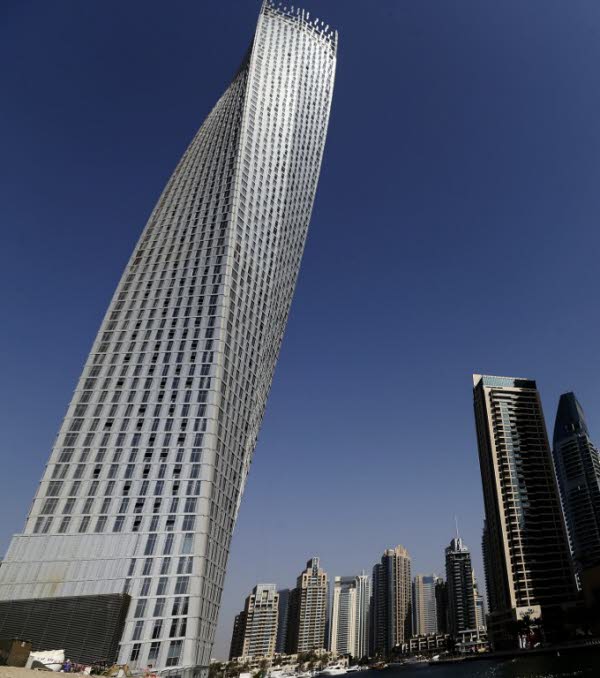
x: 141, y: 492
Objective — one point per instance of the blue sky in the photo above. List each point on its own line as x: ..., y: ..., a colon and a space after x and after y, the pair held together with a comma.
x: 455, y: 231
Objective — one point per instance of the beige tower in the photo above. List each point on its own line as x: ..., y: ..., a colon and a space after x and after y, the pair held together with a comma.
x: 392, y: 588
x: 255, y: 629
x: 307, y: 612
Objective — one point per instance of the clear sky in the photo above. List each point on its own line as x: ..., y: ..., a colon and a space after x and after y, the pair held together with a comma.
x: 455, y: 231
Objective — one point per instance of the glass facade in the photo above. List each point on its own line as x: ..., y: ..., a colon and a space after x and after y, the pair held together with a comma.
x: 577, y: 463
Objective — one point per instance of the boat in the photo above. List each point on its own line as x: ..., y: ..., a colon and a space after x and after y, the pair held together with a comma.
x: 335, y: 670
x: 415, y: 660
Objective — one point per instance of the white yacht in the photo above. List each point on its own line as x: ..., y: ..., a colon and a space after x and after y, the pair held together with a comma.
x: 335, y: 670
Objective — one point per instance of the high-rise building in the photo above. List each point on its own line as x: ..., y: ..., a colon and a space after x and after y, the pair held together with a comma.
x: 479, y: 608
x: 363, y: 616
x: 391, y: 601
x: 441, y: 605
x: 349, y: 630
x: 487, y: 567
x: 343, y: 616
x: 525, y: 542
x: 145, y: 480
x: 424, y: 604
x: 236, y: 648
x: 307, y: 610
x: 255, y: 629
x: 577, y: 465
x: 462, y: 615
x: 282, y: 621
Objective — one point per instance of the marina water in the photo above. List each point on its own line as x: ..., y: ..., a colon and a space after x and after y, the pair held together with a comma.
x: 571, y: 665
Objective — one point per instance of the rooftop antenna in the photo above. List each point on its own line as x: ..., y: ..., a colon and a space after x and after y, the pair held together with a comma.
x: 456, y: 525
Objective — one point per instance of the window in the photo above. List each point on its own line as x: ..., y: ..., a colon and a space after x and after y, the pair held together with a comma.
x: 137, y: 630
x: 118, y: 526
x: 178, y: 627
x: 64, y: 525
x: 188, y: 523
x: 181, y: 586
x: 174, y: 652
x: 54, y: 488
x: 150, y: 545
x: 159, y: 607
x: 188, y: 541
x: 140, y: 608
x: 157, y: 628
x: 83, y: 525
x: 168, y: 547
x: 147, y: 567
x: 49, y: 506
x: 101, y: 523
x: 184, y: 566
x: 153, y: 652
x: 135, y: 652
x: 190, y: 506
x: 145, y: 587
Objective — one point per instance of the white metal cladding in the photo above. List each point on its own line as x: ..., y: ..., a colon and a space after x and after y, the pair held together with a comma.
x: 145, y: 479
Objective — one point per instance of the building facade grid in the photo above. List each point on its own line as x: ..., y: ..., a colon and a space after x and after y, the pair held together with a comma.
x: 145, y: 479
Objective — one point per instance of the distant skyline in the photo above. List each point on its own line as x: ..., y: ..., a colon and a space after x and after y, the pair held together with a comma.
x: 455, y: 231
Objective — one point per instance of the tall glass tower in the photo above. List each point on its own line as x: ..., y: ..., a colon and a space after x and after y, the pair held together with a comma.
x: 578, y: 469
x: 141, y: 491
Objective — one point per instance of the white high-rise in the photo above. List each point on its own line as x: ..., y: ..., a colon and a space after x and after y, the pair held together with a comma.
x: 349, y: 623
x: 141, y: 491
x: 424, y: 604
